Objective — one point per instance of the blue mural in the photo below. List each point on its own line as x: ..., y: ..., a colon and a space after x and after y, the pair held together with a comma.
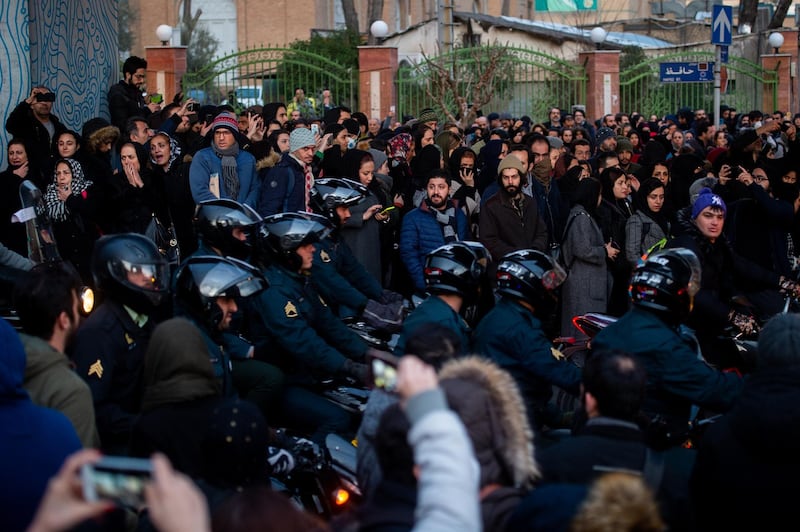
x: 14, y: 63
x: 68, y: 45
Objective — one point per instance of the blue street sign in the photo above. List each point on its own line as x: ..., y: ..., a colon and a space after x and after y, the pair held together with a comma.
x: 723, y: 52
x: 687, y: 72
x: 721, y: 24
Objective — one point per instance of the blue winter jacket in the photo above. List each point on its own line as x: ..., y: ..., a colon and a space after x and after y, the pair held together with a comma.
x: 283, y: 188
x: 206, y: 162
x: 421, y: 234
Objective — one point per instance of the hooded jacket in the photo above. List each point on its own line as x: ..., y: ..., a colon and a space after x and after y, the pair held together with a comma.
x: 52, y: 383
x: 489, y: 404
x: 34, y: 441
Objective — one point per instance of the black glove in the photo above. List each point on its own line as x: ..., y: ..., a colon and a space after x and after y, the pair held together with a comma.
x: 387, y: 318
x: 280, y: 460
x: 388, y: 297
x: 355, y: 370
x: 745, y: 324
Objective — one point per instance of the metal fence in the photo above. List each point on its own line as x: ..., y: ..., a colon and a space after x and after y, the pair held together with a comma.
x: 528, y: 81
x: 642, y: 91
x: 271, y: 74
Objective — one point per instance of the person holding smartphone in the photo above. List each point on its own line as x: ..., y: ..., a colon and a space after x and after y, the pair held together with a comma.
x: 34, y: 122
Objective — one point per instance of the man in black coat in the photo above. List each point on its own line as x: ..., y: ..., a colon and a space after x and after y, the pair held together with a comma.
x: 125, y: 99
x: 747, y: 463
x: 33, y: 121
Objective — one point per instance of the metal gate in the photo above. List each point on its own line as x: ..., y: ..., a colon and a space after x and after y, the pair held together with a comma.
x: 527, y: 82
x: 262, y: 75
x: 642, y: 91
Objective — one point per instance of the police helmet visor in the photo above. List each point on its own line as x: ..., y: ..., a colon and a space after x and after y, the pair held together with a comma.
x: 222, y: 278
x: 148, y: 277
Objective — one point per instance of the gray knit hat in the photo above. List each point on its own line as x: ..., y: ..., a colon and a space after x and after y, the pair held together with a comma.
x: 300, y: 138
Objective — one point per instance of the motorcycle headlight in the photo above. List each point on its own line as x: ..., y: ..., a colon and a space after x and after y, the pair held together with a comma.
x: 87, y: 300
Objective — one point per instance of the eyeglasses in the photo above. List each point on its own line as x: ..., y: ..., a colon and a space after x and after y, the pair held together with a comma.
x: 466, y: 168
x: 759, y: 178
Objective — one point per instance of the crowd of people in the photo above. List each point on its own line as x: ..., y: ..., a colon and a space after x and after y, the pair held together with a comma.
x: 229, y: 248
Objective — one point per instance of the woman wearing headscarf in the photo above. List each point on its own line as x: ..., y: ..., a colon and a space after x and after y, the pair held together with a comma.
x: 71, y: 205
x: 135, y: 194
x: 401, y: 151
x: 648, y: 226
x: 613, y: 214
x: 588, y: 285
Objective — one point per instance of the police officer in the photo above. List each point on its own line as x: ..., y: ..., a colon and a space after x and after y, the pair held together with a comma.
x: 228, y: 228
x: 294, y: 329
x: 339, y: 277
x: 206, y: 291
x: 453, y: 276
x: 662, y: 291
x: 511, y: 333
x: 109, y: 347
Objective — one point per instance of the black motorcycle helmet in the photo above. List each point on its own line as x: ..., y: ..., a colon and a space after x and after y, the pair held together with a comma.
x: 456, y: 268
x: 533, y: 277
x: 128, y: 268
x: 331, y: 192
x: 666, y: 282
x: 215, y: 221
x: 283, y: 233
x: 202, y: 279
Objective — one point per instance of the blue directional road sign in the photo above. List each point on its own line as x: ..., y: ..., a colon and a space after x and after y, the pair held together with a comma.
x: 687, y: 72
x: 723, y: 54
x: 721, y: 24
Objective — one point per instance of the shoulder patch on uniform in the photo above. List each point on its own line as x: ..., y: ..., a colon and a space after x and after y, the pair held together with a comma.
x: 128, y: 339
x: 324, y: 256
x: 322, y: 300
x: 96, y: 369
x: 558, y: 355
x: 290, y: 310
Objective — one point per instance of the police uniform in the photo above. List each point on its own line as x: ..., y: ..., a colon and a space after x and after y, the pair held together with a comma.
x: 341, y: 279
x: 512, y: 336
x: 434, y: 310
x: 108, y: 353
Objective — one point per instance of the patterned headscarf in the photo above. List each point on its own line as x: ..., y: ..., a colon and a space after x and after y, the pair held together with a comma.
x: 56, y: 208
x: 399, y: 146
x: 174, y: 151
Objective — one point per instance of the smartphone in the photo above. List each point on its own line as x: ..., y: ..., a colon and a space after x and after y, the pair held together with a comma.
x: 388, y: 209
x: 117, y: 478
x: 45, y: 97
x: 156, y: 98
x: 383, y: 370
x: 392, y: 108
x: 315, y: 129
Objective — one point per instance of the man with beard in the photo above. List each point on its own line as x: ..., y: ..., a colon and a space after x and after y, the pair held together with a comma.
x: 125, y: 99
x: 48, y: 301
x: 552, y: 208
x: 510, y: 219
x: 437, y: 221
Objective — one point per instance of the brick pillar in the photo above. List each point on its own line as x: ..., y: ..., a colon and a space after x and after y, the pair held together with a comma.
x: 166, y: 65
x: 377, y: 72
x: 602, y: 89
x: 780, y: 64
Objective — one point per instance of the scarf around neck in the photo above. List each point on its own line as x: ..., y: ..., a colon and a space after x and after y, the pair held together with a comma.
x: 230, y: 177
x: 446, y: 219
x: 56, y: 208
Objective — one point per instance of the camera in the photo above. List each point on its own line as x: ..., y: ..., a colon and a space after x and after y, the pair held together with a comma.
x: 192, y: 107
x: 736, y: 171
x: 45, y: 97
x: 117, y: 478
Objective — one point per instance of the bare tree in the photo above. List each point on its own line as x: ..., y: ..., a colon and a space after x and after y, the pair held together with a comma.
x: 748, y: 9
x: 469, y: 86
x: 350, y: 16
x: 779, y: 16
x: 374, y: 12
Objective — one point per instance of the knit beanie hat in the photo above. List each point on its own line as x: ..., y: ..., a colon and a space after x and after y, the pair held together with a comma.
x: 706, y: 198
x: 379, y: 157
x: 427, y: 115
x: 226, y: 120
x: 604, y: 133
x: 510, y: 161
x: 300, y: 138
x: 624, y: 144
x: 779, y: 341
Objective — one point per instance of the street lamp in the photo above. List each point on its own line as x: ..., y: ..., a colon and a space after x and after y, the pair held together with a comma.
x: 379, y: 29
x: 775, y: 40
x: 598, y: 35
x: 164, y: 34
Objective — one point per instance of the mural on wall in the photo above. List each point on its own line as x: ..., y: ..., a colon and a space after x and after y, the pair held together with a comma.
x: 69, y: 46
x: 74, y: 52
x: 14, y: 64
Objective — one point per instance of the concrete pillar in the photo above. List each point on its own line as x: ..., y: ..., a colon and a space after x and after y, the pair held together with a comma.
x: 377, y: 73
x: 780, y: 64
x: 602, y: 87
x: 166, y: 65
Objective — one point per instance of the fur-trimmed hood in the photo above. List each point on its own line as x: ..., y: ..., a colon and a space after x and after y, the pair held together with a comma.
x: 98, y: 131
x: 269, y: 161
x: 488, y: 401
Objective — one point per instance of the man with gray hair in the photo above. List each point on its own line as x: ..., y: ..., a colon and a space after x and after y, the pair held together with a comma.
x: 747, y: 460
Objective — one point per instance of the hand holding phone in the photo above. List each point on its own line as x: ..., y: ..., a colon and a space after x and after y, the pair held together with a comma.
x: 382, y: 370
x: 156, y: 98
x: 117, y: 478
x: 387, y: 210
